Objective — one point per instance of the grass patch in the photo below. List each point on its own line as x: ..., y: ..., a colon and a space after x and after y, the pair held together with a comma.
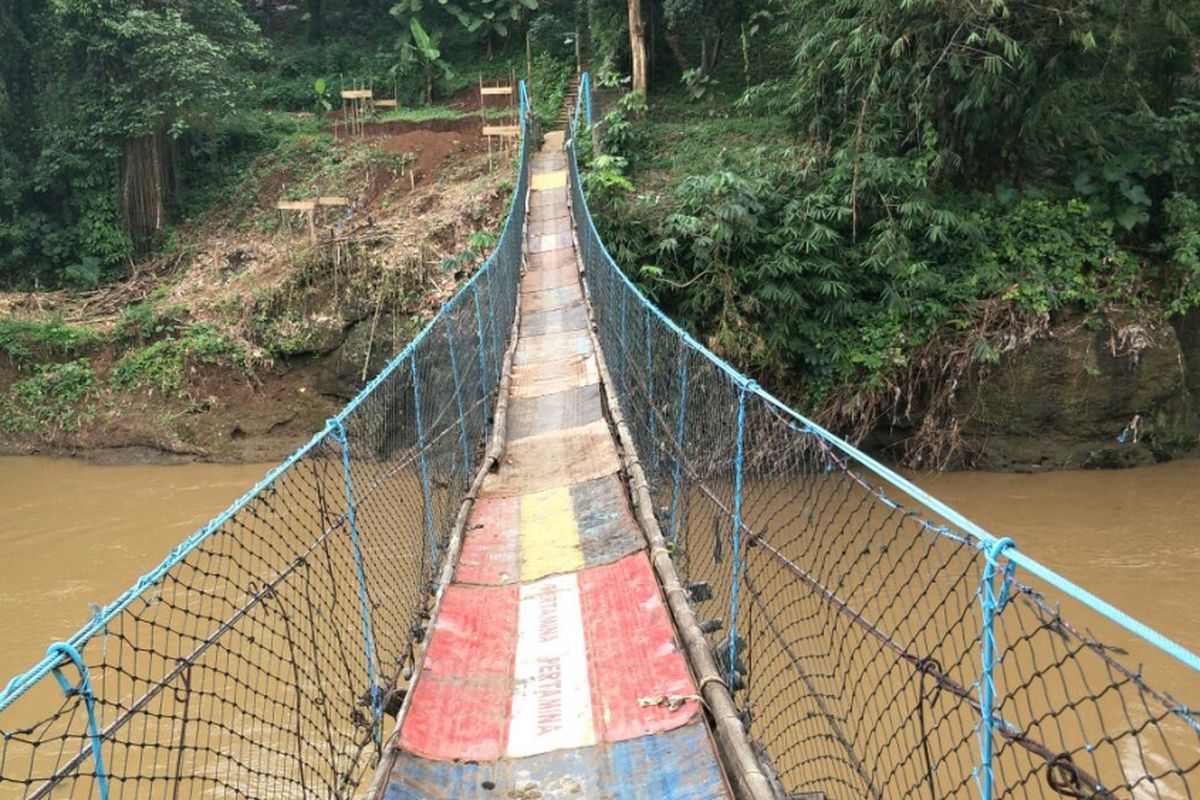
x: 421, y: 114
x: 690, y: 138
x: 162, y: 366
x: 55, y: 397
x: 24, y: 340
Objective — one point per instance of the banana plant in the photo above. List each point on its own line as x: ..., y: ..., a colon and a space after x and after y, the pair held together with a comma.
x: 491, y: 17
x: 421, y: 47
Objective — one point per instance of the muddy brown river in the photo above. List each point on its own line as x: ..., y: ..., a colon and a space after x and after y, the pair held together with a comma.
x: 74, y: 533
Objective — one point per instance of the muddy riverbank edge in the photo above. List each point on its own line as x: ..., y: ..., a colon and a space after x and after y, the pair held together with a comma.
x: 1115, y: 395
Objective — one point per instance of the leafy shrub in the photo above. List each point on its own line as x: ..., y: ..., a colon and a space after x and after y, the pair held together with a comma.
x: 55, y: 397
x: 549, y: 80
x: 162, y: 365
x: 24, y: 340
x: 624, y: 134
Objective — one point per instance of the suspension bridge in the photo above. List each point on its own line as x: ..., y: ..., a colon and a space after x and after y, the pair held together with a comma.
x: 558, y: 549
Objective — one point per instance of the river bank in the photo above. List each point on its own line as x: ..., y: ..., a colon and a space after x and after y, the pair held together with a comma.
x: 259, y: 322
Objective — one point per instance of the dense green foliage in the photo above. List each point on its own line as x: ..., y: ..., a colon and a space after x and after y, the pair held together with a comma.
x: 869, y: 174
x: 122, y: 118
x: 821, y: 189
x: 92, y: 93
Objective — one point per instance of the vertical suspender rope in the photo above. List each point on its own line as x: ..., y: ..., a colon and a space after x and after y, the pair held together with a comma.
x: 492, y: 324
x: 624, y: 379
x: 679, y: 429
x: 426, y: 487
x: 458, y: 399
x: 738, y: 469
x: 578, y: 105
x: 654, y: 445
x: 993, y: 603
x: 83, y: 689
x: 587, y: 97
x: 483, y: 381
x: 338, y: 428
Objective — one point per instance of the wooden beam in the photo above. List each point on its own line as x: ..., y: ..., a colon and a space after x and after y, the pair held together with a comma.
x: 486, y: 90
x: 501, y: 130
x: 333, y: 201
x: 357, y: 94
x: 296, y: 205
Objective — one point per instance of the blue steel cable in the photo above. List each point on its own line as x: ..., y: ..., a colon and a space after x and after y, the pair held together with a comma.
x: 650, y: 391
x: 679, y: 432
x: 458, y: 399
x: 587, y: 93
x: 494, y: 328
x: 738, y: 464
x: 483, y: 381
x: 955, y: 519
x: 624, y: 370
x: 992, y: 603
x: 426, y: 484
x: 373, y: 689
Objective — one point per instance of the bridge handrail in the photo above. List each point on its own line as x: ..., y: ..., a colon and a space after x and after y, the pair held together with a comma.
x: 985, y: 541
x: 477, y: 316
x: 998, y: 557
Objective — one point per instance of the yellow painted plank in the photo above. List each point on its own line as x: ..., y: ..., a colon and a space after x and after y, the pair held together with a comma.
x: 548, y: 180
x: 549, y: 534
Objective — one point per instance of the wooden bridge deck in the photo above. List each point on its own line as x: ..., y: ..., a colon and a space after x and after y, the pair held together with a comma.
x: 552, y: 668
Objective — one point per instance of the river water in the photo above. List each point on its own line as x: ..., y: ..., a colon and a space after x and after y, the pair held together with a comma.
x: 74, y: 533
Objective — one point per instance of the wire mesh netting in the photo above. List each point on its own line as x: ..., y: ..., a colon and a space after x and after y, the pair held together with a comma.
x: 257, y: 660
x: 877, y: 644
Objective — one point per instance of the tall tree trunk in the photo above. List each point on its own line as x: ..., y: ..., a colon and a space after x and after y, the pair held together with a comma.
x: 637, y: 46
x: 144, y: 183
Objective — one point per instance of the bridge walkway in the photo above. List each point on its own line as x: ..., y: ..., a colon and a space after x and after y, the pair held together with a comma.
x: 552, y: 668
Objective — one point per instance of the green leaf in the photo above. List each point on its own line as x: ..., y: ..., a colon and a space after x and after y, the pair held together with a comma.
x: 1130, y: 217
x: 419, y: 34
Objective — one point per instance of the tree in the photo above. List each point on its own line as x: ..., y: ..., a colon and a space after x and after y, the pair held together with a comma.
x: 705, y: 22
x: 491, y: 17
x: 316, y: 20
x: 140, y: 75
x: 422, y: 48
x: 637, y: 47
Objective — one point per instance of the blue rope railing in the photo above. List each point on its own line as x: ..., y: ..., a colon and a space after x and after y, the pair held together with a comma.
x: 257, y: 658
x: 839, y: 601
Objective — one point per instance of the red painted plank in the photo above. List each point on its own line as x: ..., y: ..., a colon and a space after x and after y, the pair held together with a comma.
x: 460, y: 704
x: 491, y: 552
x: 632, y: 653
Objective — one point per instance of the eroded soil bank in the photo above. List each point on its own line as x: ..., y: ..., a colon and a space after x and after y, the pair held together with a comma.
x: 259, y: 322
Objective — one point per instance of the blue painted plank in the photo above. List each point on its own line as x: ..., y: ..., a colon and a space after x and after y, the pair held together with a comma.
x: 677, y: 765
